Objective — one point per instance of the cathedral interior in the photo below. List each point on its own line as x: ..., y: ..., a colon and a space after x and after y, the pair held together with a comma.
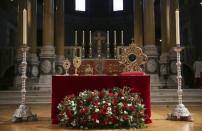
x: 52, y: 23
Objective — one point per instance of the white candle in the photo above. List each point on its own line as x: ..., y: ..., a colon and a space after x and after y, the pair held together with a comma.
x: 75, y: 38
x: 90, y: 38
x: 24, y: 26
x: 177, y: 27
x: 107, y: 37
x: 121, y: 37
x: 83, y: 37
x: 115, y: 37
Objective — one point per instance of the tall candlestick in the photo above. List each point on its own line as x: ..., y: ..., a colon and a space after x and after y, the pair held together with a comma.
x: 75, y: 38
x: 115, y: 37
x: 107, y: 37
x: 177, y: 27
x: 90, y: 38
x: 24, y: 26
x: 83, y: 37
x: 122, y: 38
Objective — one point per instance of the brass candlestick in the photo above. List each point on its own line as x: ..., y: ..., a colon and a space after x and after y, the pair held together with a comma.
x: 66, y: 66
x: 77, y: 64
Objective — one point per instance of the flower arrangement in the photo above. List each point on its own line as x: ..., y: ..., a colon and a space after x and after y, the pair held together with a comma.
x: 108, y: 108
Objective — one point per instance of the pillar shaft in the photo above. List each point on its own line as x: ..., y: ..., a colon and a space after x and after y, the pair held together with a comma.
x: 59, y: 28
x: 165, y: 25
x: 48, y: 23
x: 32, y: 25
x: 149, y: 22
x: 138, y: 30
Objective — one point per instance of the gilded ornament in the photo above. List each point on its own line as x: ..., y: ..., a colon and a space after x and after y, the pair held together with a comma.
x: 76, y: 63
x: 66, y: 66
x: 132, y: 58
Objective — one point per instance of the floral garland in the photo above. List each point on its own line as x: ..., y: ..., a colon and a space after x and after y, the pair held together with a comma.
x: 109, y: 108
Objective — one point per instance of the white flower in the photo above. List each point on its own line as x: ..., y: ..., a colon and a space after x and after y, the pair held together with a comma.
x: 104, y: 102
x: 97, y: 110
x: 74, y: 108
x: 72, y: 103
x: 131, y: 118
x: 65, y: 116
x: 109, y: 108
x: 109, y: 104
x: 142, y: 105
x: 125, y: 112
x: 109, y: 112
x: 97, y: 121
x: 120, y: 104
x: 59, y: 106
x: 129, y: 104
x: 142, y: 119
x: 121, y: 119
x: 73, y: 123
x: 122, y: 97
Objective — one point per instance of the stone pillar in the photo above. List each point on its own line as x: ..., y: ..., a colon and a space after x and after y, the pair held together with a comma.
x: 172, y: 54
x: 137, y: 16
x: 59, y: 36
x: 150, y: 48
x: 32, y: 41
x: 165, y: 37
x: 47, y: 54
x: 21, y: 4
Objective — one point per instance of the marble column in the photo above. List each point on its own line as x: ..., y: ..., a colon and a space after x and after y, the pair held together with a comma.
x: 172, y: 54
x: 32, y: 41
x: 165, y: 37
x: 150, y: 48
x: 59, y: 36
x: 47, y: 54
x: 137, y: 16
x: 21, y: 4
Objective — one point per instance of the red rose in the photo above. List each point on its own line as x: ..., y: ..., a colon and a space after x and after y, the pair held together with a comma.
x: 111, y: 94
x: 114, y: 102
x: 69, y: 113
x: 125, y: 117
x: 125, y: 105
x: 95, y: 116
x: 132, y: 108
x: 101, y: 94
x: 103, y: 111
x: 83, y: 110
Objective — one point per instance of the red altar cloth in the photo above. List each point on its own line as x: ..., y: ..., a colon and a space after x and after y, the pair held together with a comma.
x: 65, y: 85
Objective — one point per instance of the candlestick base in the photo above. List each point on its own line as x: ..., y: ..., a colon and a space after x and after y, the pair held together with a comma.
x: 180, y: 113
x: 23, y: 113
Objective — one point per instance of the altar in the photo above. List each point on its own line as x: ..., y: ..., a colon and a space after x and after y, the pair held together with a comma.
x: 66, y: 85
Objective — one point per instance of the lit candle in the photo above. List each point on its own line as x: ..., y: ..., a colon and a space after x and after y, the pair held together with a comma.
x: 75, y: 38
x: 83, y: 36
x: 107, y: 37
x: 24, y: 26
x: 115, y: 37
x: 121, y: 37
x: 177, y: 27
x: 90, y: 38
